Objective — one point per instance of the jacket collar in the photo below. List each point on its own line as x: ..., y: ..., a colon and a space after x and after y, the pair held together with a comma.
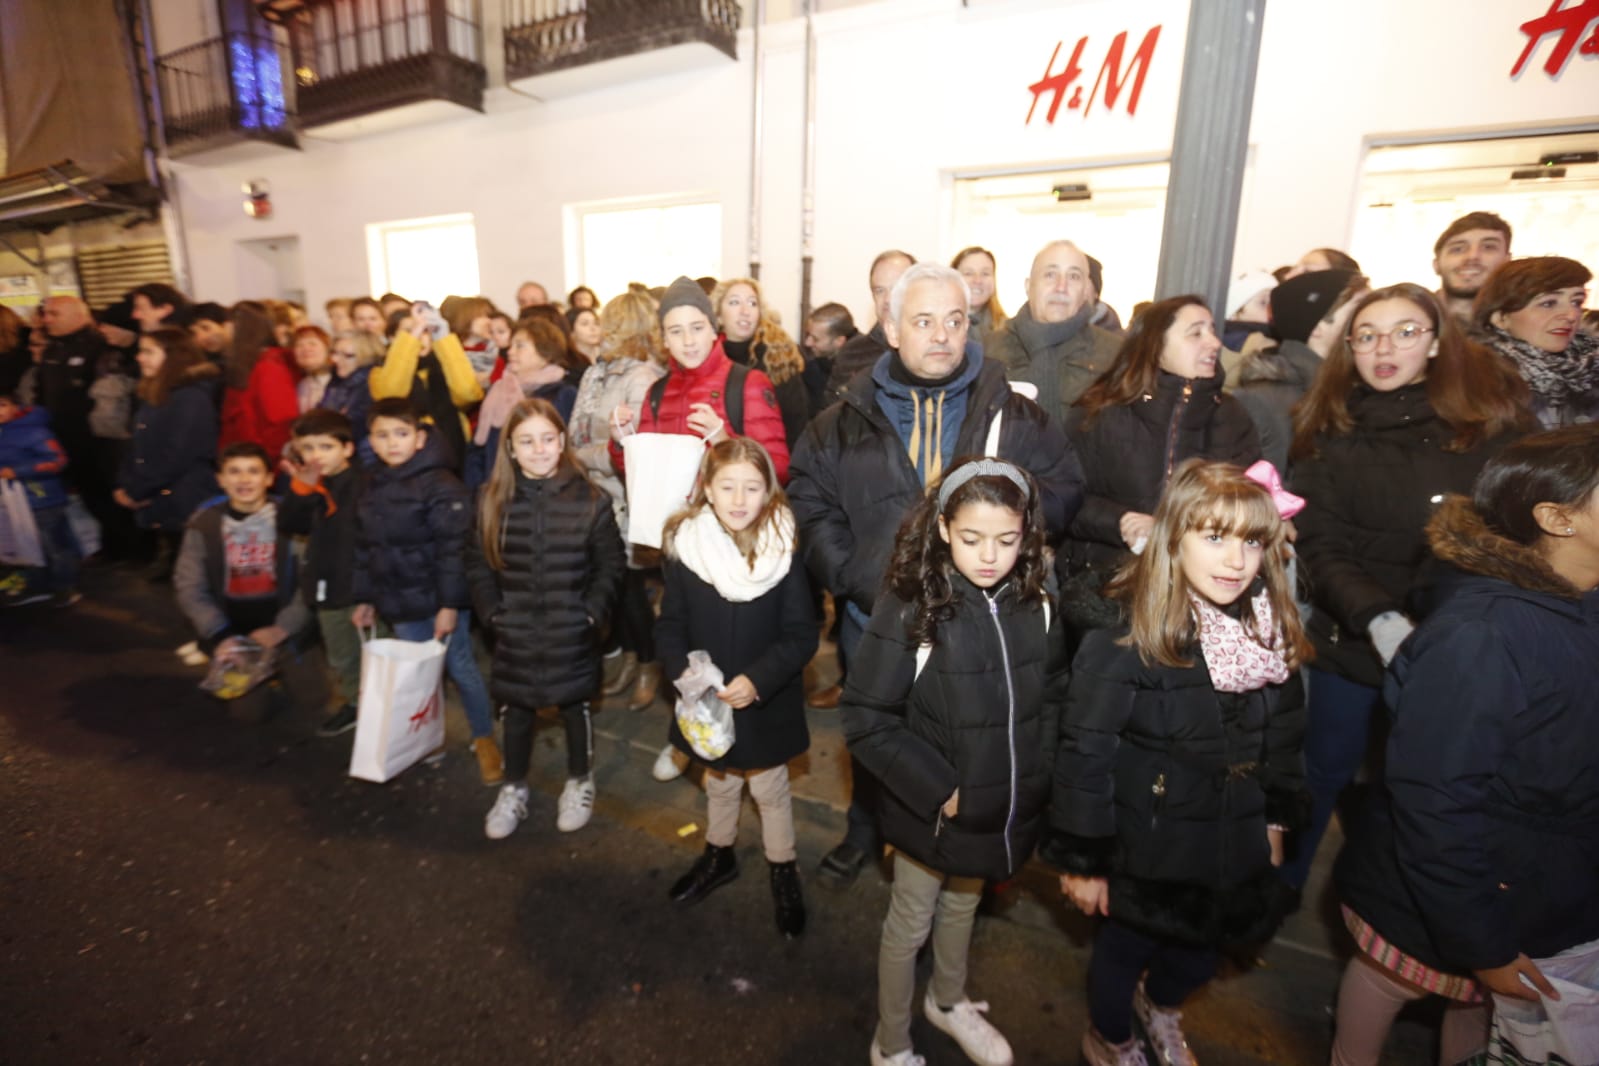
x: 1459, y: 536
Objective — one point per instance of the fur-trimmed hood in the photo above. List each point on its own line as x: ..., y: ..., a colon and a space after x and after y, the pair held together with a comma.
x: 1460, y: 537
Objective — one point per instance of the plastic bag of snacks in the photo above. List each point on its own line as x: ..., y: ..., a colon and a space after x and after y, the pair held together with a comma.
x: 705, y: 721
x: 238, y: 665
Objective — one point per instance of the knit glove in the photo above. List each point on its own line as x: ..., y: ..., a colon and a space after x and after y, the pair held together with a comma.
x: 1389, y: 630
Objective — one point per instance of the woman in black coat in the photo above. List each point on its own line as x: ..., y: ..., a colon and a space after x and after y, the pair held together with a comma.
x: 1480, y: 856
x: 1159, y: 403
x: 736, y: 591
x: 545, y: 568
x: 1405, y: 411
x: 170, y: 466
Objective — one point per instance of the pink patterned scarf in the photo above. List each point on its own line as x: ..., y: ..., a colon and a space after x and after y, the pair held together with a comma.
x: 1238, y: 662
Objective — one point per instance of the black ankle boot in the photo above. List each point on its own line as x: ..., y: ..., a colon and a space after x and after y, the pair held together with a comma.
x: 714, y: 868
x: 788, y: 900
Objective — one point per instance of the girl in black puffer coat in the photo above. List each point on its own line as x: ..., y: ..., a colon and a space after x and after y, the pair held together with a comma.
x: 545, y: 567
x: 1179, y: 767
x: 1404, y: 412
x: 734, y: 591
x: 953, y: 702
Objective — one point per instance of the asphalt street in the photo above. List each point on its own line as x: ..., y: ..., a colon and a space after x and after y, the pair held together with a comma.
x: 178, y: 885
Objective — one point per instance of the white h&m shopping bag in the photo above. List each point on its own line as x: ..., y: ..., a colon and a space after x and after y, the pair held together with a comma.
x: 19, y: 534
x: 401, y: 717
x: 661, y: 471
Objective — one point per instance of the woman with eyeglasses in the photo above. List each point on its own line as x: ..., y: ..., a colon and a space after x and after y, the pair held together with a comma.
x: 1404, y: 411
x: 1530, y: 312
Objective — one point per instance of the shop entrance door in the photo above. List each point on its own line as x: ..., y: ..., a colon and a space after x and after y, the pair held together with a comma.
x: 1113, y: 213
x: 1410, y: 193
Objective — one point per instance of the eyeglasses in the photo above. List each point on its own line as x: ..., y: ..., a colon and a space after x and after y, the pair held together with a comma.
x: 1403, y: 337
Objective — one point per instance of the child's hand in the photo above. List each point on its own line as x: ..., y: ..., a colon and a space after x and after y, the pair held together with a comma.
x: 444, y: 623
x: 124, y: 500
x: 952, y: 806
x: 270, y: 636
x: 304, y: 473
x: 703, y: 419
x: 739, y: 693
x: 363, y: 616
x: 1090, y: 894
x: 1274, y: 839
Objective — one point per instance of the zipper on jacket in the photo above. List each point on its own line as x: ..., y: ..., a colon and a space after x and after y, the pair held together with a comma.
x: 1158, y: 789
x: 1010, y: 722
x: 1171, y: 430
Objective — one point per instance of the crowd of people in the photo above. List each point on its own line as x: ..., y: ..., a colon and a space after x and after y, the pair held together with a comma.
x: 1133, y: 602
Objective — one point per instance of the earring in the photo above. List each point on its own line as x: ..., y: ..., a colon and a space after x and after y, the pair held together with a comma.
x: 1570, y: 531
x: 1433, y: 351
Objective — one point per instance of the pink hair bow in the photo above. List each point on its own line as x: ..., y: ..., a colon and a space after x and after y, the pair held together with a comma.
x: 1264, y: 474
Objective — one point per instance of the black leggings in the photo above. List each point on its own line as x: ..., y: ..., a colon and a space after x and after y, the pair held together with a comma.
x: 635, y: 621
x: 520, y: 723
x: 1121, y: 955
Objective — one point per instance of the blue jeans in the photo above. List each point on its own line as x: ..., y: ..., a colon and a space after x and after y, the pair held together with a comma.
x: 61, y: 556
x: 1339, y: 713
x: 461, y: 666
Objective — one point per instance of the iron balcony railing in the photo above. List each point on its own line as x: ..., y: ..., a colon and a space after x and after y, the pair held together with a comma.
x: 354, y: 57
x: 228, y: 87
x: 543, y: 36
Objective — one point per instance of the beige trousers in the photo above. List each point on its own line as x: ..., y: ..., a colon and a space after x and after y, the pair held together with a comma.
x: 924, y: 901
x: 724, y: 791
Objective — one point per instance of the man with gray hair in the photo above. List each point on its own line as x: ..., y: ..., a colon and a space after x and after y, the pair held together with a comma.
x: 863, y: 463
x: 1051, y: 342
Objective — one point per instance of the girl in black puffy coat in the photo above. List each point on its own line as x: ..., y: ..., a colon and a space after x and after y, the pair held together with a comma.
x: 735, y: 590
x: 545, y: 567
x: 1179, y: 767
x: 952, y: 702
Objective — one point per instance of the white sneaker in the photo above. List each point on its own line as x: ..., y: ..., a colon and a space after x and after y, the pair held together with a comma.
x: 1163, y: 1026
x: 900, y: 1058
x: 669, y: 764
x: 510, y: 807
x: 576, y: 805
x: 964, y: 1021
x: 1097, y: 1051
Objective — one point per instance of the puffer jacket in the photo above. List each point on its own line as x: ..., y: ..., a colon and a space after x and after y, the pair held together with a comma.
x: 860, y: 353
x: 1165, y: 786
x: 854, y: 483
x: 550, y: 604
x: 1130, y: 451
x: 606, y: 386
x: 982, y: 717
x: 1064, y: 370
x: 1371, y: 492
x: 412, y: 524
x: 793, y: 398
x: 1484, y: 841
x: 265, y: 410
x: 34, y: 455
x: 171, y: 460
x: 706, y: 383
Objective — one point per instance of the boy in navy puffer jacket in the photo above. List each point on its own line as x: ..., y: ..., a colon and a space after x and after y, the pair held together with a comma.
x: 31, y: 455
x: 411, y: 529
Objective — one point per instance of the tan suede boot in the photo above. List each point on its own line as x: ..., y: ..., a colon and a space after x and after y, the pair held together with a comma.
x: 649, y: 682
x: 490, y: 765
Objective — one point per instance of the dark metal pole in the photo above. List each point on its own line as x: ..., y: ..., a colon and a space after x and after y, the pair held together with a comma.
x: 1209, y: 149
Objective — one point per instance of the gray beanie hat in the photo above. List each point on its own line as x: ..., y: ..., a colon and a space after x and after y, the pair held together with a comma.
x: 685, y: 292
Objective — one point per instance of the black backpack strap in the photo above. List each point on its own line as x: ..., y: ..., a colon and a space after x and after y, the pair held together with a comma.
x: 733, y: 397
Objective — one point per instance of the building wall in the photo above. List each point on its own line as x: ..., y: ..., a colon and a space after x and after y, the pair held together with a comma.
x: 910, y: 95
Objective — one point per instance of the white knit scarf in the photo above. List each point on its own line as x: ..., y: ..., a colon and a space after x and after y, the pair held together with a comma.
x: 706, y: 547
x: 1236, y: 658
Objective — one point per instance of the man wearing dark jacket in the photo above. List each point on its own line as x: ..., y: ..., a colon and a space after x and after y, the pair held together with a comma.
x: 865, y: 462
x: 1050, y: 342
x: 864, y: 349
x: 66, y: 370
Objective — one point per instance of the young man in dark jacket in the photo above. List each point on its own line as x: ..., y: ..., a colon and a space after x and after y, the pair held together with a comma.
x: 321, y: 507
x: 865, y: 462
x: 410, y: 569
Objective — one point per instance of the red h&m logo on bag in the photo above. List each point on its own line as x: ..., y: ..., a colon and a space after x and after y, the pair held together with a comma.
x: 1110, y: 76
x: 429, y: 711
